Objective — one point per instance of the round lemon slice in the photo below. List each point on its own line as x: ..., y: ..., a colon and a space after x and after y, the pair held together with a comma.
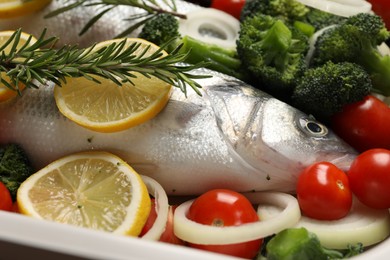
x: 14, y: 8
x: 94, y: 190
x: 5, y: 92
x: 107, y: 107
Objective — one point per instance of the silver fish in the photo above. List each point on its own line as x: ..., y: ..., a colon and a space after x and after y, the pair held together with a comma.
x: 233, y: 136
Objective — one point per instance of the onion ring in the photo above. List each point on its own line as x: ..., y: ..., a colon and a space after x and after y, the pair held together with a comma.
x: 344, y: 8
x: 194, y: 232
x: 362, y: 225
x: 211, y: 26
x: 162, y: 208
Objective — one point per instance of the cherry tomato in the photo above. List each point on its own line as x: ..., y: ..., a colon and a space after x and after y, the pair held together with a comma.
x: 15, y: 207
x: 168, y: 236
x: 364, y: 124
x: 232, y: 7
x: 323, y: 192
x: 151, y: 218
x: 222, y: 207
x: 369, y: 177
x: 382, y: 8
x: 5, y: 198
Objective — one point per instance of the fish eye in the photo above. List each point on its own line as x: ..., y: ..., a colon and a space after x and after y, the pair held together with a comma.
x: 313, y: 127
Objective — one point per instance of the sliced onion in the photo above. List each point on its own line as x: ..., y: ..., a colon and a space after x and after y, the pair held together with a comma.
x: 362, y: 225
x: 162, y: 208
x: 193, y: 232
x: 339, y: 7
x: 211, y: 26
x: 384, y: 49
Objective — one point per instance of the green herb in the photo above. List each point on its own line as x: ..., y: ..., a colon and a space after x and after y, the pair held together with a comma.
x: 150, y: 8
x: 35, y: 63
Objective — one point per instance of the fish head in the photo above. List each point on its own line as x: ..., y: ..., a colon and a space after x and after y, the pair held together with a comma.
x: 301, y: 139
x: 272, y: 137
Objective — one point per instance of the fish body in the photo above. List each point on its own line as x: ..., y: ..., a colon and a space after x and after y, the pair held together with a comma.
x: 233, y: 136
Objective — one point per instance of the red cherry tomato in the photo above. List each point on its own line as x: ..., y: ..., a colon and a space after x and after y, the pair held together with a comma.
x: 323, y: 192
x: 15, y: 207
x: 5, y: 198
x: 222, y: 207
x: 151, y: 218
x: 364, y: 124
x: 232, y: 7
x: 382, y: 8
x: 369, y: 177
x: 168, y: 236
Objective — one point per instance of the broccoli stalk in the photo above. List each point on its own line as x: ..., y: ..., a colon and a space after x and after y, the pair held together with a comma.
x: 273, y: 53
x: 356, y: 40
x: 15, y: 167
x: 163, y: 28
x: 217, y: 58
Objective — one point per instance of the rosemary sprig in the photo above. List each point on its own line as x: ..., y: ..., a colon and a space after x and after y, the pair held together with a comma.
x: 35, y: 62
x: 150, y: 8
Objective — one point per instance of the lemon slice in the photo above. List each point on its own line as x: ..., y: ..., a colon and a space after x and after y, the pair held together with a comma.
x: 94, y: 190
x: 5, y: 92
x: 14, y: 8
x: 107, y: 107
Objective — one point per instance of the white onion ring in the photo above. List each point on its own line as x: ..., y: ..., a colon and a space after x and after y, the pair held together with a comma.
x: 344, y: 8
x: 193, y: 232
x: 362, y: 225
x: 224, y: 26
x: 162, y: 208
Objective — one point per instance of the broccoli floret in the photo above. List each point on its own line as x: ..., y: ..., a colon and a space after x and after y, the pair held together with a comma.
x: 273, y: 53
x: 287, y: 10
x: 299, y: 243
x: 160, y: 29
x: 320, y: 19
x: 15, y: 167
x: 325, y: 90
x: 163, y: 28
x: 372, y: 25
x: 356, y: 40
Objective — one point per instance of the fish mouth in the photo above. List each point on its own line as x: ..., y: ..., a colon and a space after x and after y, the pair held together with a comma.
x: 344, y: 161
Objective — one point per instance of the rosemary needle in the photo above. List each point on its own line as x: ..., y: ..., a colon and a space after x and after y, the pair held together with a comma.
x: 41, y: 62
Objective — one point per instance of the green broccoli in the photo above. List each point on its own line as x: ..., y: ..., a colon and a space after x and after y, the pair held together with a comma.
x: 15, y: 167
x: 356, y: 40
x: 287, y: 10
x: 324, y: 90
x: 320, y: 19
x: 163, y: 28
x: 160, y: 29
x: 273, y: 53
x: 299, y: 243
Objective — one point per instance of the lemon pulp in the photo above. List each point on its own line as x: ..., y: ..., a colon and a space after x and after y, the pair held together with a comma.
x: 94, y: 190
x: 107, y: 107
